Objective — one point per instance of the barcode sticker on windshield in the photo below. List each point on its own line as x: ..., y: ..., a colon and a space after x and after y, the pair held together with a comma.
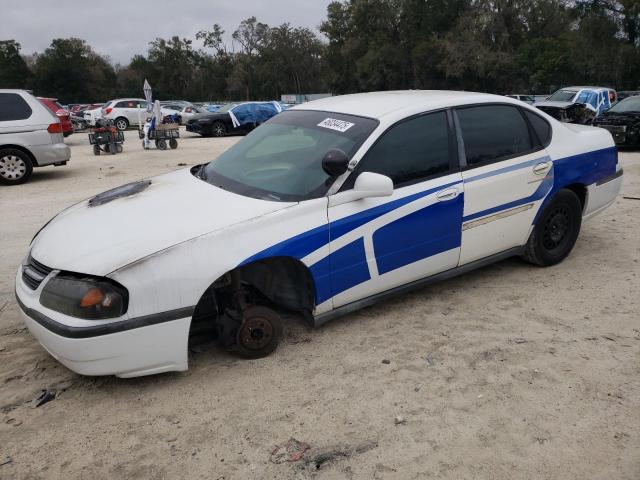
x: 333, y: 124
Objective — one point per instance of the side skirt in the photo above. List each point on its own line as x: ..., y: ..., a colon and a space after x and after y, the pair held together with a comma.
x: 454, y: 272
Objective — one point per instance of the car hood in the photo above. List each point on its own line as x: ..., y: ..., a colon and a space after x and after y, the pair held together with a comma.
x: 113, y: 229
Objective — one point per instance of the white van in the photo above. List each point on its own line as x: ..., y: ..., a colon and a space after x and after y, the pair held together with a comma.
x: 30, y: 136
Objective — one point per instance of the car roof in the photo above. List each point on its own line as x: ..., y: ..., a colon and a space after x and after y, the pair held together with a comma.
x: 125, y: 99
x: 399, y: 103
x: 585, y: 87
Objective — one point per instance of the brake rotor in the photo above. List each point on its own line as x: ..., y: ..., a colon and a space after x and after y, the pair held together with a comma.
x: 257, y: 329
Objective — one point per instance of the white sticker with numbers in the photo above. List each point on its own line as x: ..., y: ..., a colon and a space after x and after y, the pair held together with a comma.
x: 334, y: 124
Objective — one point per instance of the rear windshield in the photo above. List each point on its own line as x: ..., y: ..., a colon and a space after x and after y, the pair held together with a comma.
x: 282, y: 159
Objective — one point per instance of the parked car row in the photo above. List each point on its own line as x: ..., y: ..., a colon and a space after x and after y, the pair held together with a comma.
x: 618, y: 112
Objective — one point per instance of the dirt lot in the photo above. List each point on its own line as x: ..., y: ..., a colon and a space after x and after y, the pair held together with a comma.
x: 508, y: 372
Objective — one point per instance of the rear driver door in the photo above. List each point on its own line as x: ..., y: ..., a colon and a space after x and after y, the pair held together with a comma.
x: 507, y: 175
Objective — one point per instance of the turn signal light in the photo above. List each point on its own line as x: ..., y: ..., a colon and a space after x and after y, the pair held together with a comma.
x: 55, y: 128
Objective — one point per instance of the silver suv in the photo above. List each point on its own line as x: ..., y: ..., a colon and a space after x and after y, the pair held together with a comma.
x: 30, y: 136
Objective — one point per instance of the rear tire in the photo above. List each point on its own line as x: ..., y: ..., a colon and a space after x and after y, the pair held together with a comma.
x: 556, y: 230
x: 161, y: 144
x: 96, y: 150
x: 173, y: 143
x: 122, y: 123
x: 15, y: 166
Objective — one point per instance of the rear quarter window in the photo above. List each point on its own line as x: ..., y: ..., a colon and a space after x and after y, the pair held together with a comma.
x: 540, y: 126
x: 13, y: 107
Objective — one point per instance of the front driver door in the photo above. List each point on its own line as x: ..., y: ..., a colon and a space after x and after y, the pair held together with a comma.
x: 381, y: 243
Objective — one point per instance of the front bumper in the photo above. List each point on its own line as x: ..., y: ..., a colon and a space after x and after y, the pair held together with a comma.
x: 125, y: 348
x: 194, y: 128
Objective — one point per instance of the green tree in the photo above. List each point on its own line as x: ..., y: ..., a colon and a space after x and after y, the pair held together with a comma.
x: 14, y: 72
x: 70, y: 70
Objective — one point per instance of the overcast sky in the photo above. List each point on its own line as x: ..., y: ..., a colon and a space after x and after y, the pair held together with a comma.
x: 122, y: 28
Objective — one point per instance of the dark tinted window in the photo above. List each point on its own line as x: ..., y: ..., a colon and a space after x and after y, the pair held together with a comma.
x: 411, y: 150
x: 493, y: 132
x: 13, y: 107
x: 540, y: 126
x: 121, y: 105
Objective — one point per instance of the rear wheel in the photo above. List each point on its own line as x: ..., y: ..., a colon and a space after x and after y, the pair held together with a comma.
x: 161, y: 144
x: 173, y: 143
x: 219, y: 129
x: 122, y: 123
x: 15, y: 166
x: 556, y: 231
x: 96, y: 149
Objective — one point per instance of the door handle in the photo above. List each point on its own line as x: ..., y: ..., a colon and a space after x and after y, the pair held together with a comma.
x: 448, y: 194
x: 542, y: 168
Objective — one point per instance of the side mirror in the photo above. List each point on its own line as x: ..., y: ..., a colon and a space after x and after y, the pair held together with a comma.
x: 367, y: 185
x: 335, y: 162
x: 370, y: 184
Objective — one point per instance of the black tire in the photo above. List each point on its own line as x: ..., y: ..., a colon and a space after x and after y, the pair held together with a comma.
x: 119, y: 147
x: 173, y: 143
x: 96, y: 150
x: 113, y: 149
x: 161, y: 144
x: 15, y: 166
x: 218, y: 129
x: 260, y: 332
x: 121, y: 123
x: 556, y: 230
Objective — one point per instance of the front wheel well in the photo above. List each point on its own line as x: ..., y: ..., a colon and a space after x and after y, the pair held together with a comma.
x: 283, y: 282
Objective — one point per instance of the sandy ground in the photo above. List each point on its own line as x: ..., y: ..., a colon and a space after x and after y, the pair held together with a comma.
x: 509, y: 372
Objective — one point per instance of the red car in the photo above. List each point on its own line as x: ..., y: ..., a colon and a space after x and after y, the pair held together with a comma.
x: 64, y: 116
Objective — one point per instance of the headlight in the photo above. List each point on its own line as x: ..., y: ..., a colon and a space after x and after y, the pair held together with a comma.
x: 85, y: 297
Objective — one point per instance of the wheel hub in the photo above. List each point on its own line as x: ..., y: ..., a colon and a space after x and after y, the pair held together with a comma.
x: 556, y: 227
x: 12, y: 167
x: 255, y: 332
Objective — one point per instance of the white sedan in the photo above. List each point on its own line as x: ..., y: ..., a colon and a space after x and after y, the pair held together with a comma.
x: 326, y: 208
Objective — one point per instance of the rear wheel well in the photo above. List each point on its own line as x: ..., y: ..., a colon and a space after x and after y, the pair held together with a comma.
x: 22, y: 149
x: 282, y: 282
x: 580, y: 191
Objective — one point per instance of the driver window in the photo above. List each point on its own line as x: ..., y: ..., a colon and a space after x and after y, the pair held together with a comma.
x: 410, y: 151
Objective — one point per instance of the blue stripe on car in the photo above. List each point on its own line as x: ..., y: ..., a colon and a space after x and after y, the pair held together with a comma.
x: 430, y: 223
x: 422, y: 234
x: 511, y: 168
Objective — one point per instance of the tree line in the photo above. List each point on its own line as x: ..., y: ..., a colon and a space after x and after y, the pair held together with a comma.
x: 500, y: 46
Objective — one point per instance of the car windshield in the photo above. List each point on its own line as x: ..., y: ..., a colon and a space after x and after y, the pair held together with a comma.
x: 629, y: 104
x: 562, y: 96
x: 282, y: 159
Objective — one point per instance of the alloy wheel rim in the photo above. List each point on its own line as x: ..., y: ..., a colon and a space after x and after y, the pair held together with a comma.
x: 12, y: 167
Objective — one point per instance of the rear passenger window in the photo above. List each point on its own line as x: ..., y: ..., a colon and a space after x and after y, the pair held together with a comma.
x: 411, y: 150
x: 121, y: 105
x: 493, y: 132
x: 540, y: 126
x: 13, y: 107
